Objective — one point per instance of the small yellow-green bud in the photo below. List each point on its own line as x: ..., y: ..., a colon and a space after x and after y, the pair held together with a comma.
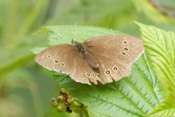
x: 63, y: 91
x: 54, y: 102
x: 61, y: 107
x: 60, y: 98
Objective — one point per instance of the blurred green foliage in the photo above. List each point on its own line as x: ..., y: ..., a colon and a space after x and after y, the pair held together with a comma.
x: 26, y: 88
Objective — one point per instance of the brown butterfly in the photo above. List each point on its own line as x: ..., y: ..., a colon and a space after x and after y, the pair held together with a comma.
x: 99, y: 60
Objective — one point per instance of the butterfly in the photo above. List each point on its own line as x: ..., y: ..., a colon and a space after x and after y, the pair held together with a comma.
x: 98, y: 60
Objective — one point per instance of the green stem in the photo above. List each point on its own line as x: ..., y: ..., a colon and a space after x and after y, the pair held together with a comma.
x: 35, y: 95
x: 32, y: 16
x: 11, y: 24
x: 4, y: 70
x: 85, y: 113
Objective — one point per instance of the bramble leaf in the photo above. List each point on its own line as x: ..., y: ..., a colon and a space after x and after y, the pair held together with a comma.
x: 160, y: 47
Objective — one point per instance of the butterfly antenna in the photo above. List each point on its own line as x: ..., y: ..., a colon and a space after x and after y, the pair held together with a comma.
x: 75, y: 33
x: 72, y: 41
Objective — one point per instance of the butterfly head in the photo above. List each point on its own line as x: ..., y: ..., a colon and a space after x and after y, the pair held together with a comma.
x: 78, y: 46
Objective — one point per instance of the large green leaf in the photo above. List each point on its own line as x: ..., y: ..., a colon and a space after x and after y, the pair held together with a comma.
x: 135, y: 95
x: 160, y: 46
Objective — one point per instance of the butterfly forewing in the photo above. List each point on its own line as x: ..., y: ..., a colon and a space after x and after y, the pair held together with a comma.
x: 65, y: 58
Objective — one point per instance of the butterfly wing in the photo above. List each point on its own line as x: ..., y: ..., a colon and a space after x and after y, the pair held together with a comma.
x: 65, y: 58
x: 115, y: 55
x: 110, y: 70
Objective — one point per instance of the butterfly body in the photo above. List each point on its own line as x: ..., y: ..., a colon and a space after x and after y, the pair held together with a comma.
x: 81, y: 49
x: 101, y: 59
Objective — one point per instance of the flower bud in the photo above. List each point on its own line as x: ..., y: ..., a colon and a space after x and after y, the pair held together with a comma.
x: 54, y: 102
x: 63, y: 91
x: 60, y: 98
x: 70, y: 100
x: 61, y: 107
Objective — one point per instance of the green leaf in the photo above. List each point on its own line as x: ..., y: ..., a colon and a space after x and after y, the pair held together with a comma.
x: 160, y: 46
x: 65, y: 33
x: 37, y: 49
x: 135, y: 95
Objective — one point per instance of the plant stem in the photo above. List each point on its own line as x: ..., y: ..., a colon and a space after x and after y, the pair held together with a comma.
x: 32, y: 16
x: 85, y: 113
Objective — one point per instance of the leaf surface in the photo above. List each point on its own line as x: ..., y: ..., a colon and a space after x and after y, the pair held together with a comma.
x: 160, y: 46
